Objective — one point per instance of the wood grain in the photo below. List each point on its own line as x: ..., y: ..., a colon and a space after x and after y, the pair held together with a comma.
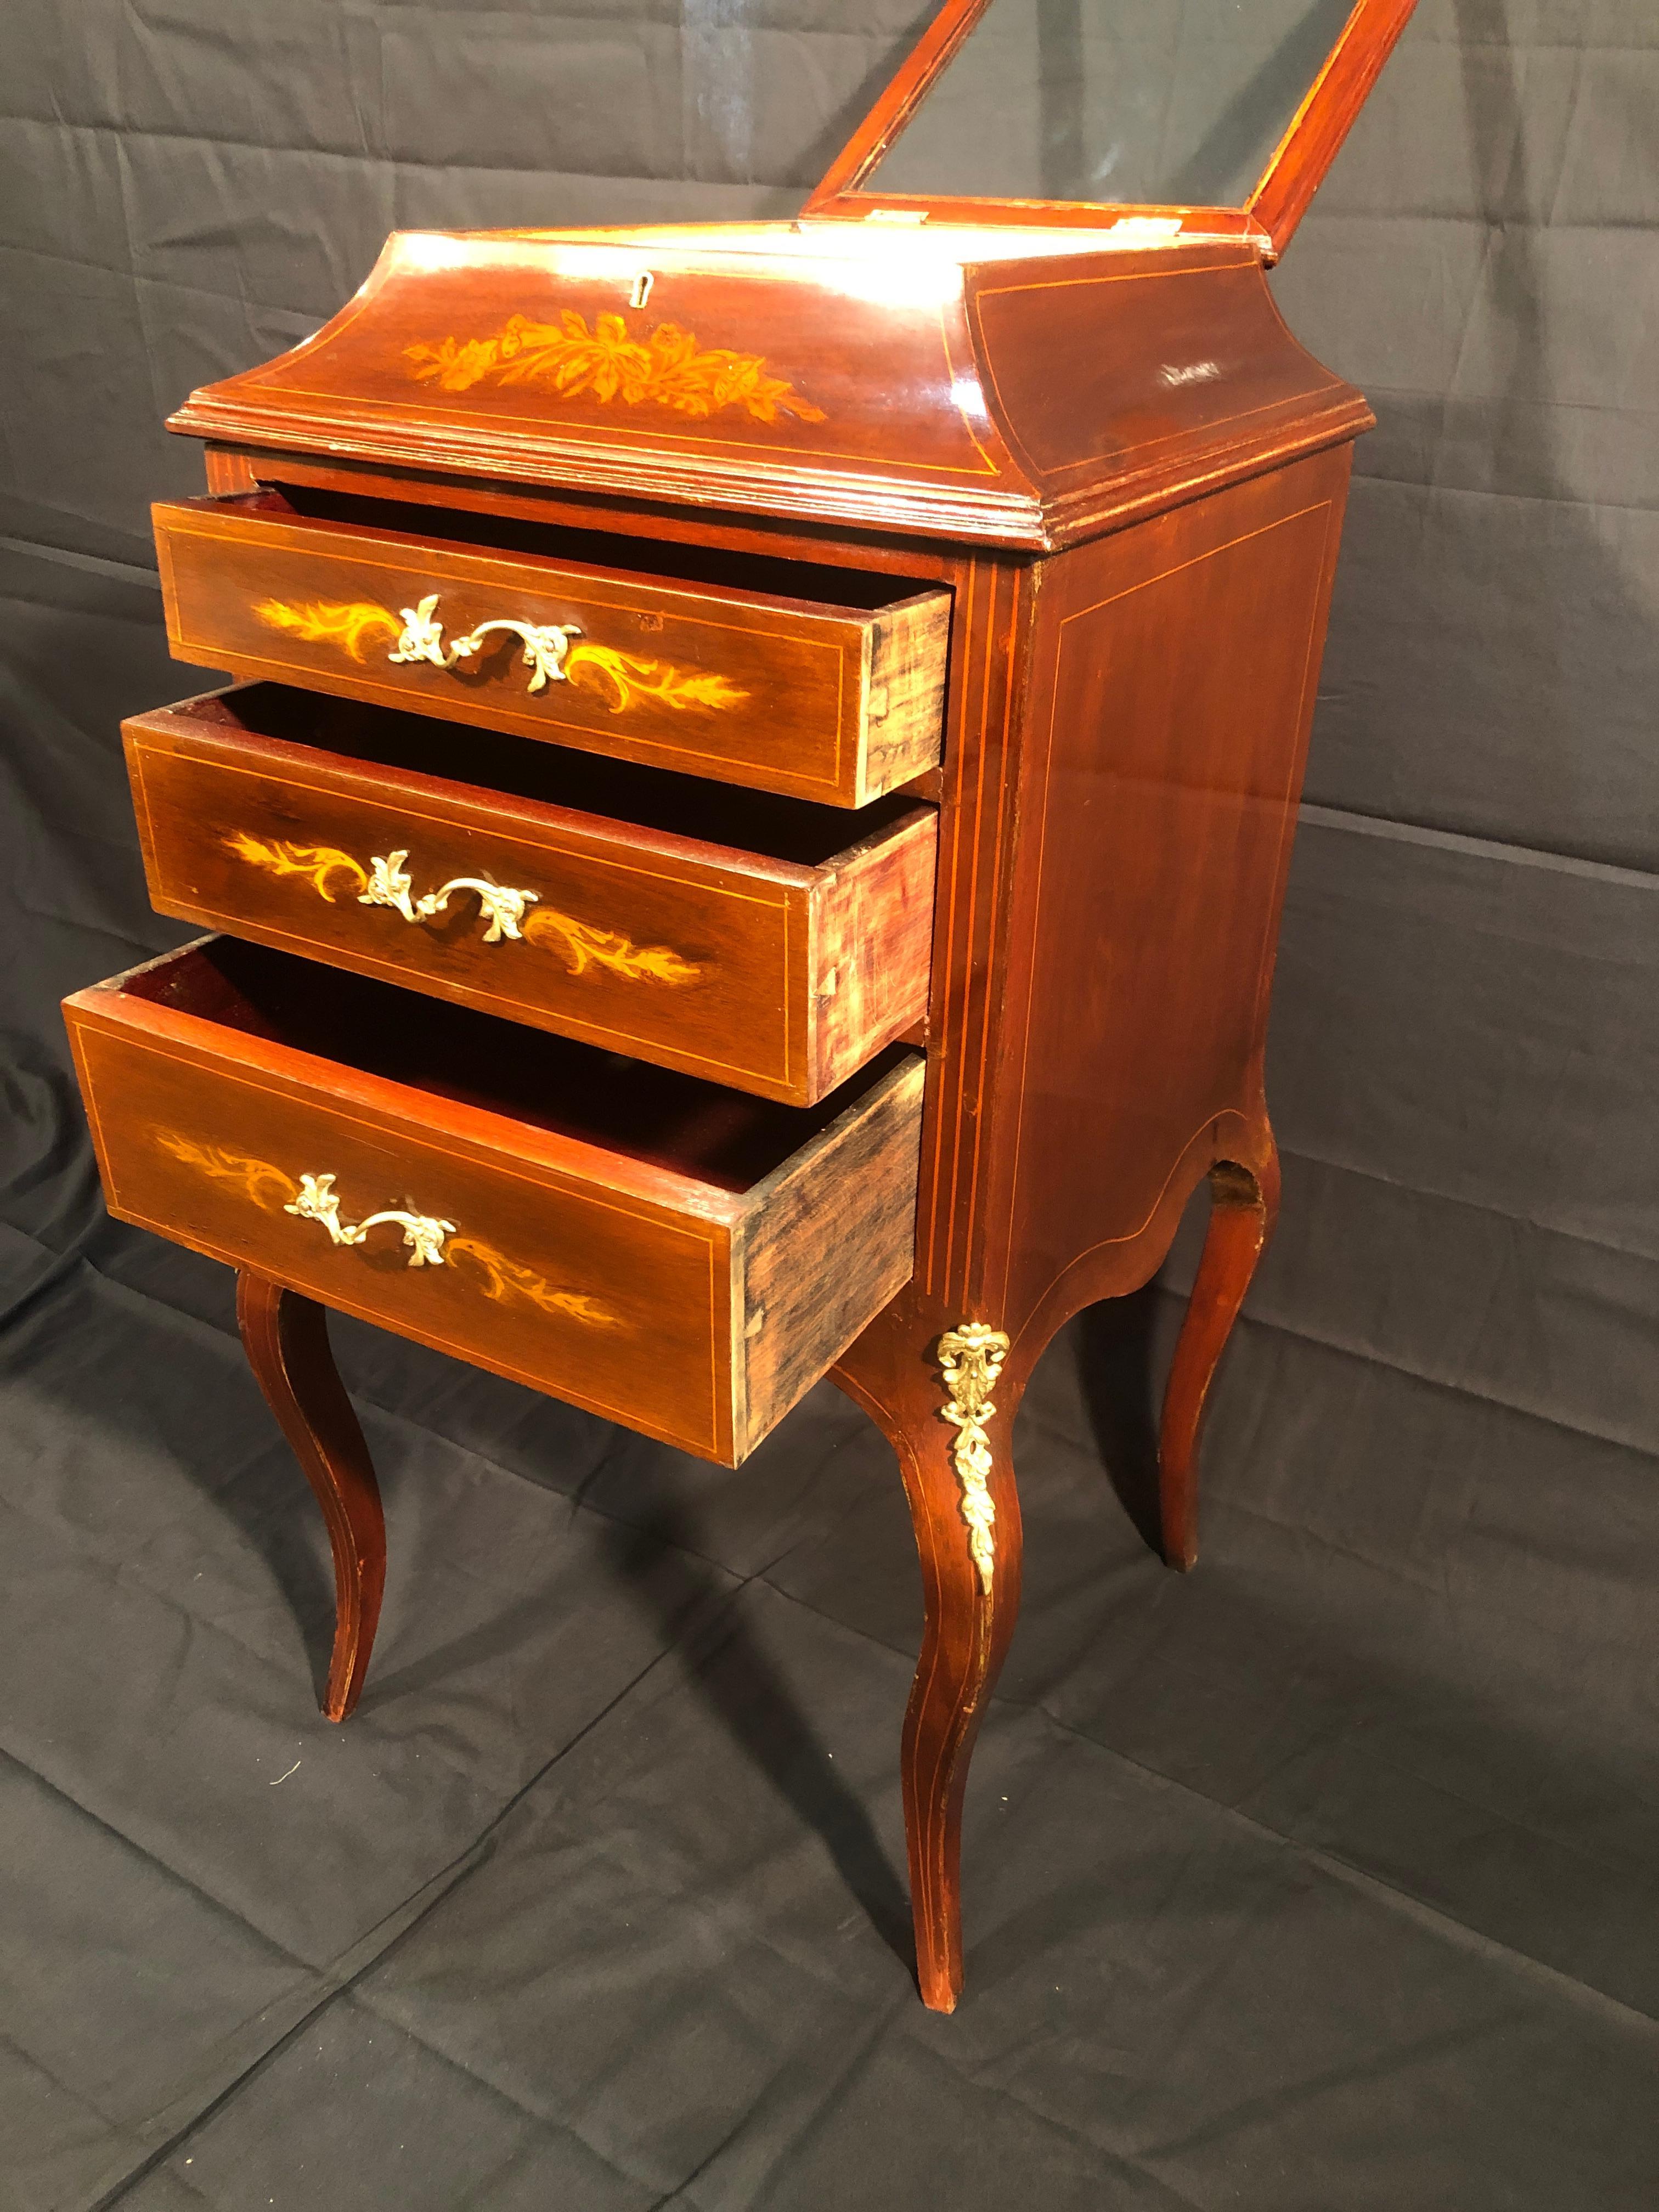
x: 1036, y: 523
x: 832, y: 704
x: 779, y: 972
x: 829, y: 1239
x: 1243, y: 1206
x: 1125, y: 742
x: 1163, y: 750
x: 873, y: 937
x: 286, y: 1339
x: 915, y: 441
x: 613, y: 1279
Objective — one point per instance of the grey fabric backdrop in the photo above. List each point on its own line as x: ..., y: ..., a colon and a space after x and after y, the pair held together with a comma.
x: 1329, y: 1878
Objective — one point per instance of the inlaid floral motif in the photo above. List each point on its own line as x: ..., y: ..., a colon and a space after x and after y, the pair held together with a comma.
x: 316, y: 865
x: 585, y: 947
x: 551, y: 651
x: 631, y: 678
x: 509, y: 915
x: 350, y: 625
x: 668, y: 368
x: 431, y: 1242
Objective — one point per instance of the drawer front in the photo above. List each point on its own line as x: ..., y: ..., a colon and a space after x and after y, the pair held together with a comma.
x: 541, y: 1279
x: 778, y: 979
x: 820, y: 701
x: 611, y: 1284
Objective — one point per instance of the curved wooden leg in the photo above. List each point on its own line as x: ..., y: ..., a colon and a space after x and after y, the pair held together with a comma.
x: 1244, y: 1205
x: 958, y: 1477
x: 286, y: 1339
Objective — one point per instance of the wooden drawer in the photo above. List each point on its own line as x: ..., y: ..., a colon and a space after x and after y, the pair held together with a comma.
x: 670, y: 1254
x: 832, y: 701
x: 733, y: 934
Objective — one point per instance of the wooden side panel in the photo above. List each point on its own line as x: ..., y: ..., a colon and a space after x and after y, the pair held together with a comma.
x: 909, y: 649
x: 1181, y: 360
x: 596, y: 1296
x: 979, y: 832
x: 632, y: 944
x: 774, y: 693
x: 873, y: 922
x: 829, y: 1241
x: 1168, y: 728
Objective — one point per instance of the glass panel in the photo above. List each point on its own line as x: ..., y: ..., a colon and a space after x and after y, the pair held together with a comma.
x: 1129, y: 102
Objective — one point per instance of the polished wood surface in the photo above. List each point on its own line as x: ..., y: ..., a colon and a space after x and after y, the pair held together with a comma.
x: 944, y: 416
x: 690, y: 1280
x: 1162, y: 744
x: 1002, y: 511
x: 826, y: 702
x: 1243, y: 1206
x: 286, y: 1339
x: 1124, y: 735
x: 778, y: 951
x: 1124, y: 760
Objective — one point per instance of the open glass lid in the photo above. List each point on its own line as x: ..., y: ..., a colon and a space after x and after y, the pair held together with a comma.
x: 1025, y: 305
x: 1228, y: 109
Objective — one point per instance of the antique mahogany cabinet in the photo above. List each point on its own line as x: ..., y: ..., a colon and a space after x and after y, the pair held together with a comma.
x: 749, y: 828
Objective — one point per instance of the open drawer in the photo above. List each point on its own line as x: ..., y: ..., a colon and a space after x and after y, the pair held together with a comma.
x: 717, y: 666
x: 672, y: 1255
x: 760, y: 941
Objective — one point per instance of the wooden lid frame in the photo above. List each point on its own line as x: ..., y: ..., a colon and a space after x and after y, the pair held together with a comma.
x: 1268, y: 218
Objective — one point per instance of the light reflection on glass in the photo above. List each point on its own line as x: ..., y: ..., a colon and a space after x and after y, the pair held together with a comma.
x: 1170, y: 103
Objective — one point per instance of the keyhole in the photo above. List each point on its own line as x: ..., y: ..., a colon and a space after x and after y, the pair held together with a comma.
x: 641, y: 291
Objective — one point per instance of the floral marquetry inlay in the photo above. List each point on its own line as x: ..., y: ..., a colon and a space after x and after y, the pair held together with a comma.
x: 316, y: 865
x: 630, y: 677
x: 620, y: 679
x: 608, y: 363
x: 351, y: 625
x: 510, y: 916
x: 431, y: 1242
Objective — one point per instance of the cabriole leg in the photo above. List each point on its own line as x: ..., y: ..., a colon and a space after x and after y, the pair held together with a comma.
x: 286, y: 1339
x: 958, y: 1478
x: 1244, y: 1205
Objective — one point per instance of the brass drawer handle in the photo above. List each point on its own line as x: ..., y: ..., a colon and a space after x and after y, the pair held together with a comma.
x: 386, y: 882
x: 545, y: 644
x: 432, y: 1243
x: 390, y: 885
x: 422, y: 1232
x: 620, y: 680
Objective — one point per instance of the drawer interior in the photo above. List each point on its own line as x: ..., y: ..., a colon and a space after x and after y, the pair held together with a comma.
x: 798, y: 830
x: 810, y: 582
x: 657, y: 1116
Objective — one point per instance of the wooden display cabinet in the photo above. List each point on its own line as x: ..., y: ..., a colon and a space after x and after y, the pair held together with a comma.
x: 752, y: 840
